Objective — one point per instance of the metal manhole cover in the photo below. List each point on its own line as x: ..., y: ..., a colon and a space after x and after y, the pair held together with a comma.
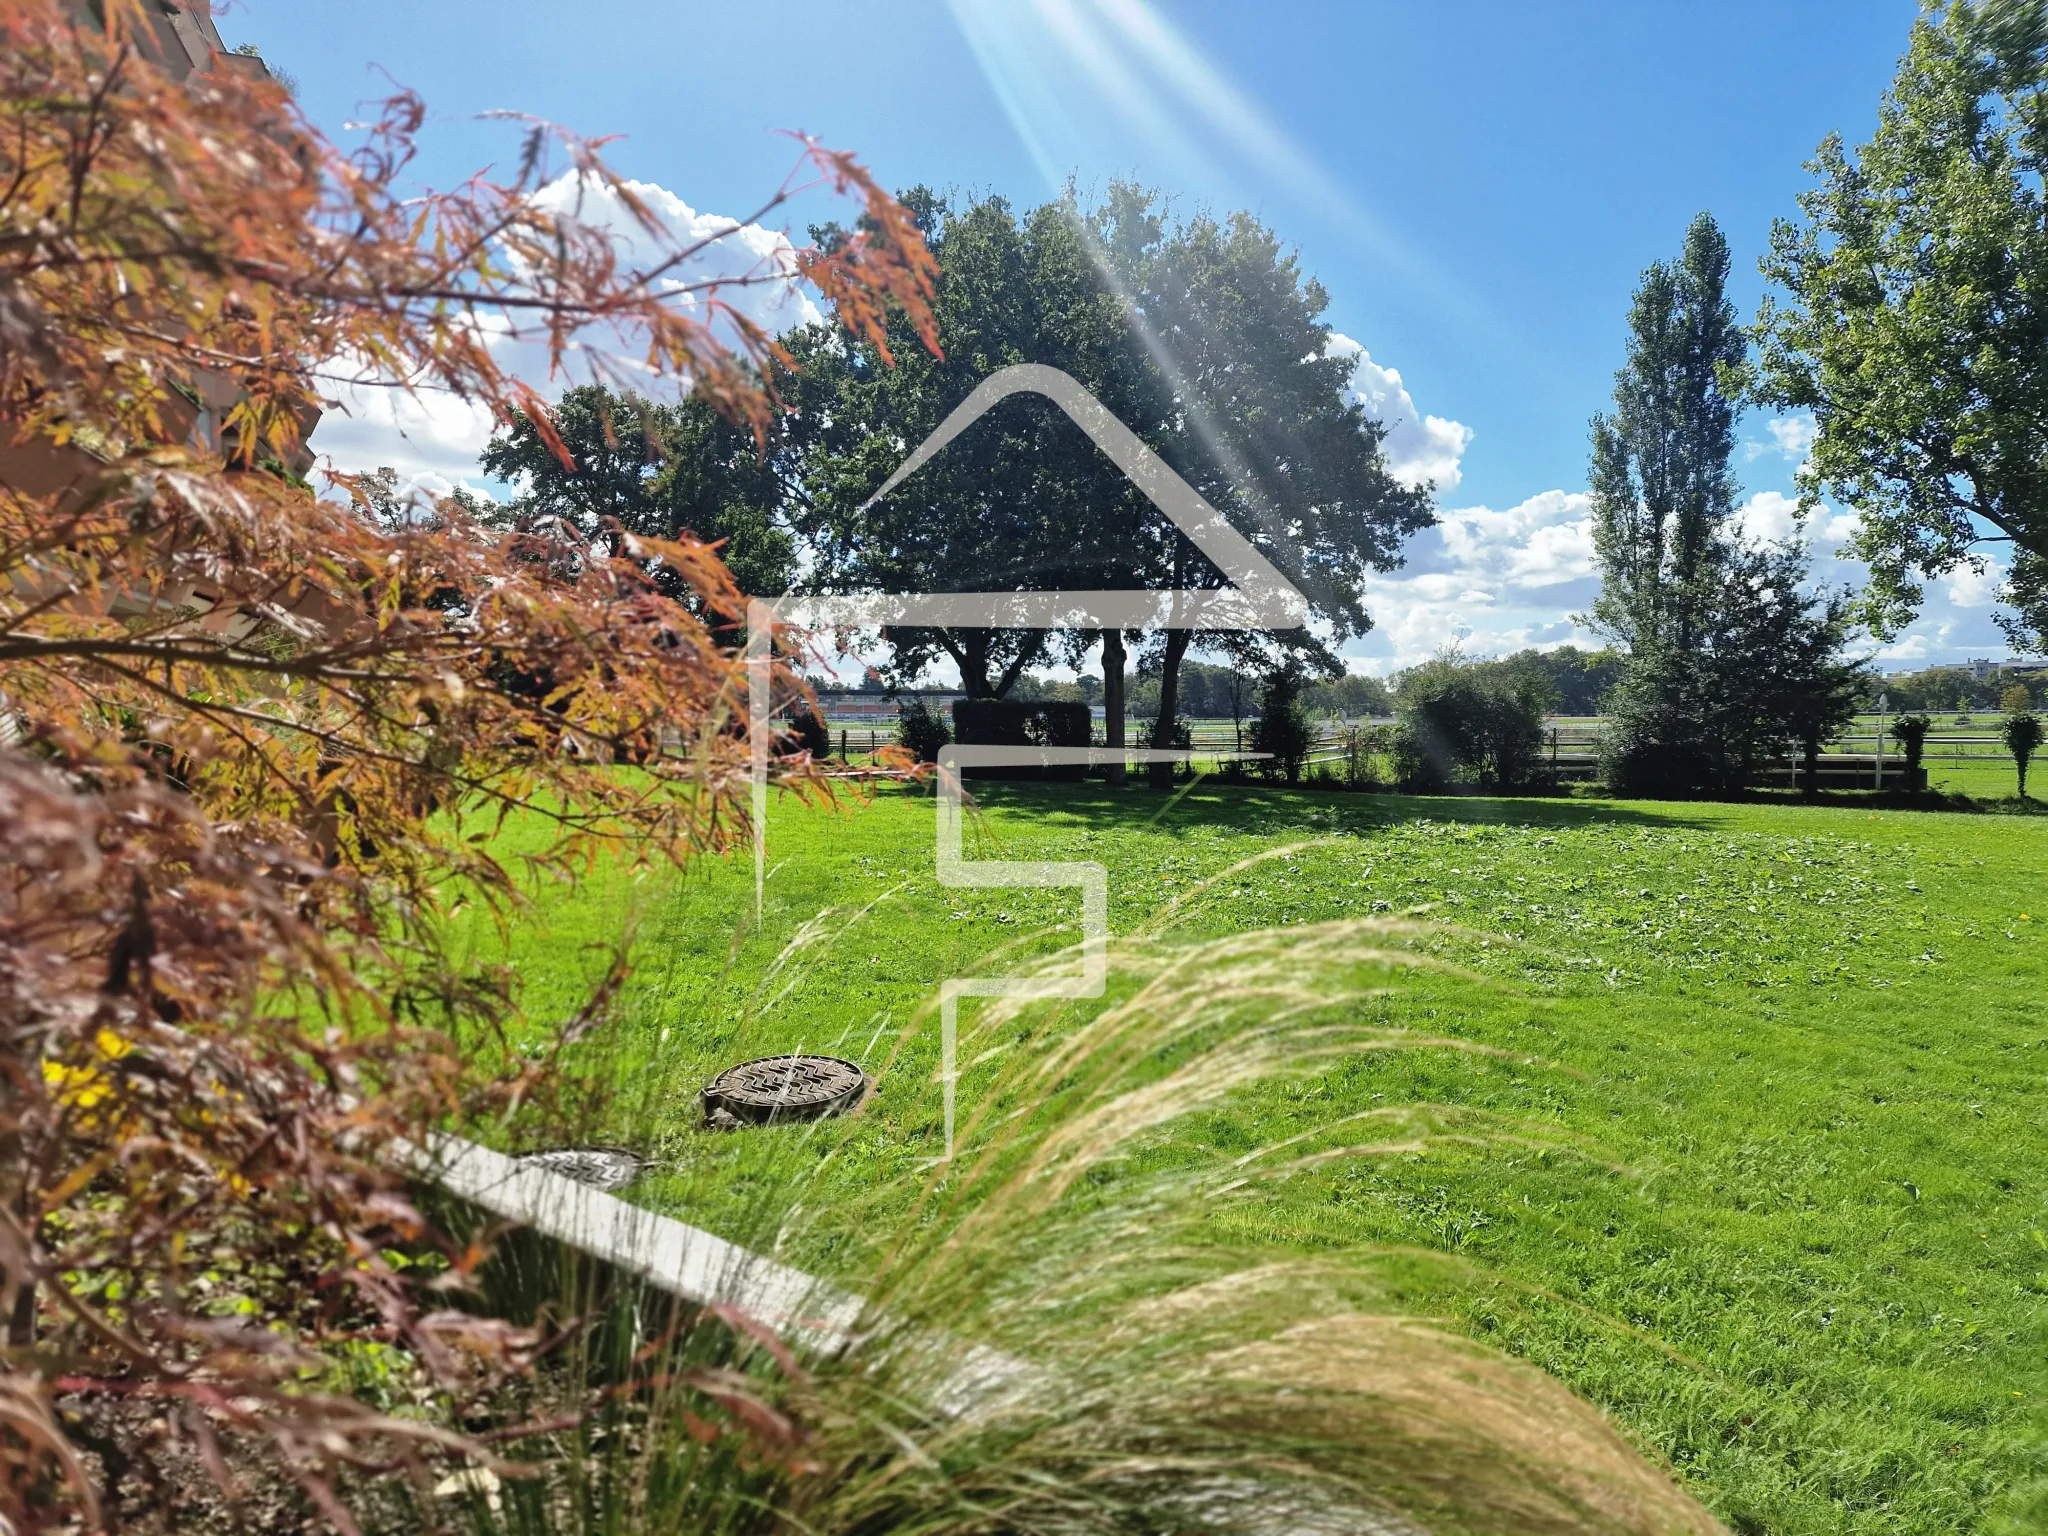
x: 605, y: 1167
x: 783, y: 1088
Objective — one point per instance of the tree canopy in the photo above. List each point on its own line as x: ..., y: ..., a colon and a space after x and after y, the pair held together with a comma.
x: 1257, y: 420
x: 1913, y: 321
x: 1203, y: 336
x: 663, y: 469
x: 1020, y: 501
x: 1660, y: 481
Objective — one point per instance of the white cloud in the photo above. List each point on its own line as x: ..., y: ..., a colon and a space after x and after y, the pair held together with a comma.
x: 1837, y: 528
x: 1542, y: 542
x: 1492, y: 581
x: 1968, y: 588
x: 1791, y: 436
x: 1768, y: 517
x: 1772, y: 517
x: 1916, y: 647
x: 1419, y: 448
x: 1496, y: 581
x: 769, y: 293
x: 432, y: 439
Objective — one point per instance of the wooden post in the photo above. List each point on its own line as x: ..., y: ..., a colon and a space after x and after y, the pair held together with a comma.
x: 1113, y: 701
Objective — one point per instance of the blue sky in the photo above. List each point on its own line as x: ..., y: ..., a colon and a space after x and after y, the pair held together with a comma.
x: 1478, y: 185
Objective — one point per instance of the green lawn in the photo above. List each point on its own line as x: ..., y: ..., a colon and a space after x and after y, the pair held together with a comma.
x: 1810, y: 1044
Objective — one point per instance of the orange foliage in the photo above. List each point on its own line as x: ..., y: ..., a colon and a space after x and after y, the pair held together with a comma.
x: 248, y: 736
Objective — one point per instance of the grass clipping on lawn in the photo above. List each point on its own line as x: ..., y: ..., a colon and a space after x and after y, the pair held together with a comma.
x: 1053, y: 1339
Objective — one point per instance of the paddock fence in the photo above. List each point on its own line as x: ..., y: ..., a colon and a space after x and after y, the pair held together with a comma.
x: 1860, y: 758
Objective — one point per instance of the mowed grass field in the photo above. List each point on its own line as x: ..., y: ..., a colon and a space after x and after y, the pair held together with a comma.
x: 1805, y: 1258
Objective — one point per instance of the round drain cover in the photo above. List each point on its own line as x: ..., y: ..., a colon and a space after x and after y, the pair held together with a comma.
x: 784, y: 1088
x: 606, y: 1167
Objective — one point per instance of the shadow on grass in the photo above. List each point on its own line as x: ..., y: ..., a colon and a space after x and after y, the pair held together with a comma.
x: 1260, y: 808
x: 1270, y: 809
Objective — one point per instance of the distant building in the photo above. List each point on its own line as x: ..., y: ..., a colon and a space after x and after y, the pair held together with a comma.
x: 849, y: 707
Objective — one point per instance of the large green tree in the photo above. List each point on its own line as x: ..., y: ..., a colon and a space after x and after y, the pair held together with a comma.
x: 1021, y: 501
x: 1251, y: 410
x: 1914, y: 321
x: 660, y: 469
x: 1203, y: 337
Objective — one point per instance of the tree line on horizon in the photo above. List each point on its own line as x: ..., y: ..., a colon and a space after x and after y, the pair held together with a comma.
x: 1904, y: 317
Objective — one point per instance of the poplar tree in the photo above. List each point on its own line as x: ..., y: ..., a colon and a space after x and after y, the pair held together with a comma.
x: 1661, y: 485
x: 1730, y: 660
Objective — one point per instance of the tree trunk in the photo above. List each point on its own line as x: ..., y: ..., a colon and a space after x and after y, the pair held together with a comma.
x: 1177, y: 642
x: 1026, y: 654
x: 969, y: 650
x: 1113, y: 700
x: 1809, y: 768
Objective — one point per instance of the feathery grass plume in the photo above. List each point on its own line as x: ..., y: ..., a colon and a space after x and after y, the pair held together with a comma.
x: 1049, y: 1335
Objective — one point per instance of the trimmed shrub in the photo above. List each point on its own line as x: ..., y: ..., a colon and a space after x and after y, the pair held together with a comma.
x: 1910, y: 732
x: 1025, y: 723
x: 2022, y: 733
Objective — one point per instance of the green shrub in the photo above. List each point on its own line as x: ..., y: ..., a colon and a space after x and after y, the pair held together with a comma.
x: 921, y: 729
x: 2022, y: 733
x: 1764, y: 674
x: 1910, y: 732
x: 1470, y: 721
x: 809, y: 732
x: 1024, y: 723
x: 1283, y: 730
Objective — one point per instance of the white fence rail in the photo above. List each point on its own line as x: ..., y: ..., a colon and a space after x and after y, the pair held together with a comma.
x: 1570, y: 751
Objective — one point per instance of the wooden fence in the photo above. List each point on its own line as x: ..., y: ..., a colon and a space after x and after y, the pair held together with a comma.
x: 1859, y: 759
